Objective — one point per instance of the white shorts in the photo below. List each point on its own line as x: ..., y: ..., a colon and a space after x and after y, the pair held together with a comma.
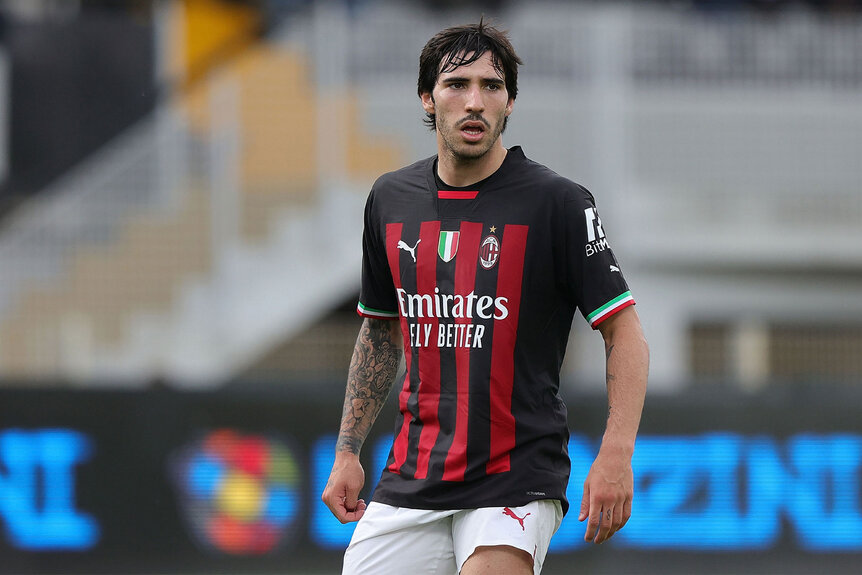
x: 401, y: 540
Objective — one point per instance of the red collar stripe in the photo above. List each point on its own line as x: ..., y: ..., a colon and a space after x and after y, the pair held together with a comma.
x: 457, y: 194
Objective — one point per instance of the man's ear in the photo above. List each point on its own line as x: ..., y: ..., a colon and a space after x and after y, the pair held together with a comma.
x: 427, y: 102
x: 509, y: 105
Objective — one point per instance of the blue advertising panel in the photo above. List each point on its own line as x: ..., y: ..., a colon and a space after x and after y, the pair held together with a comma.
x: 37, y: 490
x: 139, y: 482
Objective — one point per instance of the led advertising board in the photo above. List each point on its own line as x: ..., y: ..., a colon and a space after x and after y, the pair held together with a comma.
x: 140, y: 482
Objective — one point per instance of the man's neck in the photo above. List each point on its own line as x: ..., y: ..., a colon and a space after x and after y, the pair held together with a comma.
x: 459, y: 172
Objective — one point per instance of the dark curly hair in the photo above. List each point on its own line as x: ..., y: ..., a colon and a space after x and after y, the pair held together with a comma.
x: 461, y: 46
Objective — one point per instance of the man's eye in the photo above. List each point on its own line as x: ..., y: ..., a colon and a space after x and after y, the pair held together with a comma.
x: 456, y: 85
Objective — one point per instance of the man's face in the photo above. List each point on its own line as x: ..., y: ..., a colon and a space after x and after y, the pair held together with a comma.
x: 470, y: 103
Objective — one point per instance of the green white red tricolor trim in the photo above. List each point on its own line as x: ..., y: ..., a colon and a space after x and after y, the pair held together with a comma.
x: 447, y: 246
x: 610, y: 308
x: 366, y: 311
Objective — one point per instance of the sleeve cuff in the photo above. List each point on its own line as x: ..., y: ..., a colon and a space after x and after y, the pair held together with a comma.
x: 366, y: 311
x: 620, y: 302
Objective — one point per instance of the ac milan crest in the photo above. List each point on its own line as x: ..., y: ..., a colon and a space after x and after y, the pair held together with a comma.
x: 489, y: 252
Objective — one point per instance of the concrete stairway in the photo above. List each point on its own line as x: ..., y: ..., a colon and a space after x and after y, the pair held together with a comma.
x: 243, y: 258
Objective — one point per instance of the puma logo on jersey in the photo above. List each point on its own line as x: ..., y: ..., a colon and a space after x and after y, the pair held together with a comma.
x: 402, y: 246
x: 510, y: 513
x: 614, y: 268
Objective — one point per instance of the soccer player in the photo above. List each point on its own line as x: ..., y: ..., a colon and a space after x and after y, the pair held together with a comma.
x: 474, y: 263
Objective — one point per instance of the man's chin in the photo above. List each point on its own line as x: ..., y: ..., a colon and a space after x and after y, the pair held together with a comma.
x: 472, y: 151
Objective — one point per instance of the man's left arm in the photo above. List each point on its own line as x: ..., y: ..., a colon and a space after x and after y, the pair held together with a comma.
x: 609, y: 487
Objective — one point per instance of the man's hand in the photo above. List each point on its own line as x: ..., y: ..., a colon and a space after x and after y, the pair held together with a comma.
x: 607, y: 500
x: 342, y: 489
x: 372, y: 371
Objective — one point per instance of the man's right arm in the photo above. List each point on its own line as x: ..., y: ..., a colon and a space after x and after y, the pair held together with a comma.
x: 376, y: 356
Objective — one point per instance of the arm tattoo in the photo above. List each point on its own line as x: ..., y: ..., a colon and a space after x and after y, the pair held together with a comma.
x: 609, y: 377
x: 372, y: 372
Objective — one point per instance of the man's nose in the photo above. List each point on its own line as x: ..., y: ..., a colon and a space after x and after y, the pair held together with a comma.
x: 475, y: 102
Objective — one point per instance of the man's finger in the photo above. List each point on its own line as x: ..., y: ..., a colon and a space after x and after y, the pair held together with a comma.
x: 347, y: 515
x: 617, y: 521
x: 605, y: 525
x: 627, y: 512
x: 350, y: 498
x: 336, y: 498
x: 331, y: 501
x: 585, y: 503
x: 594, y: 521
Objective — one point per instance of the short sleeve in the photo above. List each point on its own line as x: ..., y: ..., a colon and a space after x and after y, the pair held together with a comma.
x: 377, y: 292
x: 595, y: 280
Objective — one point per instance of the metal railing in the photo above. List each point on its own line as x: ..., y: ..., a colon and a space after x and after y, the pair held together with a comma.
x: 707, y: 141
x: 136, y: 171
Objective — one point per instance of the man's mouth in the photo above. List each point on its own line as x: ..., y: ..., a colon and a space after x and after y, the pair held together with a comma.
x: 472, y: 130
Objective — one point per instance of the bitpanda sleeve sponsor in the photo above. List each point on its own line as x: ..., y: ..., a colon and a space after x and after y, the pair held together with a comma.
x: 595, y: 278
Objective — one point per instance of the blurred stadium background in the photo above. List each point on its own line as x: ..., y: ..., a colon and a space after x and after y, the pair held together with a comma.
x: 181, y: 189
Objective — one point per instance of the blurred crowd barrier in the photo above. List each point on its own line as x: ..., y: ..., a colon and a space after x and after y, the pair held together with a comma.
x: 160, y: 481
x: 214, y: 238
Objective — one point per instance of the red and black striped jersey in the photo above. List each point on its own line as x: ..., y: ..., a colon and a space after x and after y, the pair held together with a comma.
x: 485, y: 283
